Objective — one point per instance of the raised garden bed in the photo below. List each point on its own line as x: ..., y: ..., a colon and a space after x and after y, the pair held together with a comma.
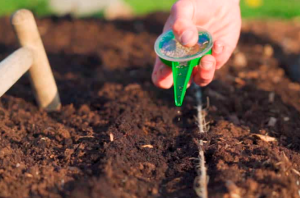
x: 119, y: 136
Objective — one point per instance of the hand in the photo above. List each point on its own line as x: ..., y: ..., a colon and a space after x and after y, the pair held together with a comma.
x: 221, y: 18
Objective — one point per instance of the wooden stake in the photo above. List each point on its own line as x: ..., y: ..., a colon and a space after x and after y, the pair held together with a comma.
x: 13, y: 67
x: 40, y: 73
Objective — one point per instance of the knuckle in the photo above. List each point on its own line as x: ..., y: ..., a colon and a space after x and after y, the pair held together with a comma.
x: 177, y: 25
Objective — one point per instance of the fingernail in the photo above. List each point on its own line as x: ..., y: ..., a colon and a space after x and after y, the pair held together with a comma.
x: 186, y: 37
x: 207, y: 65
x: 164, y: 70
x: 219, y: 45
x: 218, y: 48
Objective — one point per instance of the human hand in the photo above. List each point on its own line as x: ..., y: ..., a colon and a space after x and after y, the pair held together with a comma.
x: 221, y: 18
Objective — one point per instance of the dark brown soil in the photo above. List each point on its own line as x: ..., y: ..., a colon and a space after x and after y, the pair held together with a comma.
x: 119, y: 136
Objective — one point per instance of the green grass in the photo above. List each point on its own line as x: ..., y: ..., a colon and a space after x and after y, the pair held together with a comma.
x: 285, y: 9
x: 270, y: 8
x: 147, y: 6
x: 40, y: 7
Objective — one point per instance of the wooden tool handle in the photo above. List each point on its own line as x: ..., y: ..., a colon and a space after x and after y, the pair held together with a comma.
x: 40, y: 73
x: 13, y: 67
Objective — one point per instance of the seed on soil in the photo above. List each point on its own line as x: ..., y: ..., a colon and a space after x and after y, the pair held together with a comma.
x: 147, y: 146
x: 28, y: 175
x: 268, y: 50
x: 265, y: 138
x: 111, y: 137
x: 200, y: 182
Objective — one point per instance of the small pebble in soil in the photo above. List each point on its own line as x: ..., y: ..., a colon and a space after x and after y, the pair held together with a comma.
x: 271, y: 97
x: 272, y: 122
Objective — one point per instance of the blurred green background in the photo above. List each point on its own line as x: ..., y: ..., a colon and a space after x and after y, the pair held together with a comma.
x: 285, y: 9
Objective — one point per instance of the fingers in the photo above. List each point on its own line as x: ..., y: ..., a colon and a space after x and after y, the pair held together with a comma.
x: 185, y: 14
x: 221, y: 52
x: 218, y: 48
x: 183, y: 26
x: 204, y: 73
x: 162, y: 75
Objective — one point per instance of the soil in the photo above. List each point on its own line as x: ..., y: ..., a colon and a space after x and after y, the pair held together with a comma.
x: 119, y: 136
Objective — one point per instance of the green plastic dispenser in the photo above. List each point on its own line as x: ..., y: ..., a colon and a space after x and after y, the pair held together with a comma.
x: 182, y: 59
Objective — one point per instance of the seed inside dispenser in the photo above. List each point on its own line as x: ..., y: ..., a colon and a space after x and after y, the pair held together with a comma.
x: 173, y: 49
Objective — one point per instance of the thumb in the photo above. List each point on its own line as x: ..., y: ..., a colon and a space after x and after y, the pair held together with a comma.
x: 183, y: 26
x: 185, y: 14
